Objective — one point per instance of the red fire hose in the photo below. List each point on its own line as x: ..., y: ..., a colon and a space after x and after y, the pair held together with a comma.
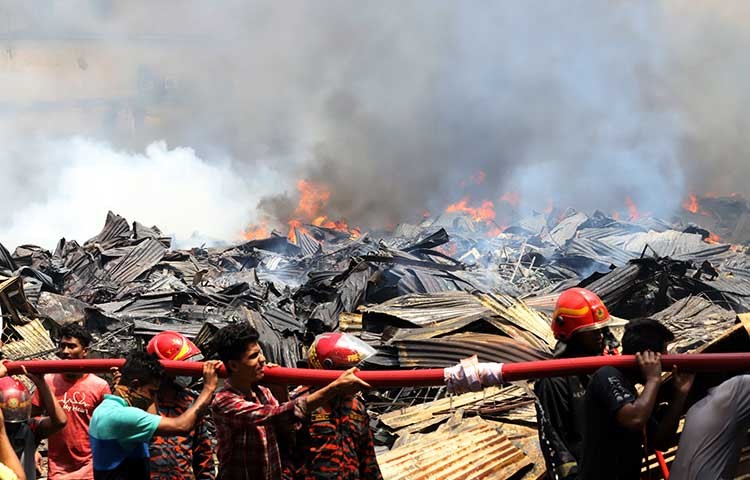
x: 707, y: 362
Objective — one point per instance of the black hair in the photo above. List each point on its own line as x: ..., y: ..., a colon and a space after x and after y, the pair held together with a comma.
x: 142, y: 366
x: 643, y: 334
x: 231, y: 341
x: 73, y: 330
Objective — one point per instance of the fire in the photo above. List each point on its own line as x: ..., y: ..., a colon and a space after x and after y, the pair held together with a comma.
x: 313, y: 197
x: 495, y: 231
x: 293, y: 226
x: 691, y: 204
x: 633, y: 212
x: 513, y: 198
x: 484, y: 213
x: 256, y: 232
x: 616, y: 215
x: 713, y: 238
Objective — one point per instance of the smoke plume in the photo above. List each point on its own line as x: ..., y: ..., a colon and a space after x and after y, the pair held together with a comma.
x: 394, y: 106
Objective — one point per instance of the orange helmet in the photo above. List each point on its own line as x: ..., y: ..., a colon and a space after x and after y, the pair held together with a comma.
x: 337, y: 351
x: 169, y: 345
x: 579, y: 310
x: 15, y: 400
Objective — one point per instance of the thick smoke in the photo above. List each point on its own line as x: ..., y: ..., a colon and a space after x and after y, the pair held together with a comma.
x: 393, y: 105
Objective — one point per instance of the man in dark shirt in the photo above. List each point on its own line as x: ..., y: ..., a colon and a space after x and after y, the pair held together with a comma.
x: 579, y: 321
x: 620, y: 425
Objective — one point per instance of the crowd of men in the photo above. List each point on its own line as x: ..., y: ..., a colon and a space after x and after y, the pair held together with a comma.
x: 151, y: 425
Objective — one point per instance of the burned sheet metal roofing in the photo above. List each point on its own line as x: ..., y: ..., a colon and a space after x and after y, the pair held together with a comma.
x: 695, y: 321
x: 447, y: 351
x: 450, y: 311
x: 136, y: 262
x: 6, y: 260
x: 469, y: 449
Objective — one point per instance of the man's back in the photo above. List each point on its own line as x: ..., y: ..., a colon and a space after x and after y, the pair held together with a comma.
x: 338, y: 442
x: 715, y: 431
x: 182, y: 456
x: 119, y: 436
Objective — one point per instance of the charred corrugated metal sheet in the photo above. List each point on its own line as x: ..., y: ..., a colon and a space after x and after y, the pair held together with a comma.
x: 472, y: 449
x: 447, y: 312
x: 597, y: 251
x: 6, y: 260
x: 566, y: 229
x: 282, y: 320
x: 447, y: 351
x: 404, y: 417
x: 148, y: 305
x: 695, y: 321
x: 115, y: 229
x: 138, y: 261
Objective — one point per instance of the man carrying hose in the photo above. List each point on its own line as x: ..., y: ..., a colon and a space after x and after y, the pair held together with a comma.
x: 79, y: 394
x: 621, y: 426
x: 248, y: 416
x: 121, y: 426
x: 578, y: 324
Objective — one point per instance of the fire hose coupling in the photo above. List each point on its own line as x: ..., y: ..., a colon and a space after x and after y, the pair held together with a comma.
x: 472, y: 376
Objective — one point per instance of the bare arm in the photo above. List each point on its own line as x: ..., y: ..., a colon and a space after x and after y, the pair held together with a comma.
x: 184, y: 423
x: 57, y: 418
x: 664, y: 436
x: 347, y: 384
x: 634, y: 416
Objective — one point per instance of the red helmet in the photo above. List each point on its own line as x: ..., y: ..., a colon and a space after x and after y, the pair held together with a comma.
x: 170, y: 345
x: 579, y: 310
x: 15, y: 400
x: 337, y: 351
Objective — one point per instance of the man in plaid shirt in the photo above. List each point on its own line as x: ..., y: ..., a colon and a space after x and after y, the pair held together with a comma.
x: 248, y: 417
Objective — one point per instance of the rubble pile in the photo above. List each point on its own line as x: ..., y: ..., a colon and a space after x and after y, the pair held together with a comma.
x: 424, y: 295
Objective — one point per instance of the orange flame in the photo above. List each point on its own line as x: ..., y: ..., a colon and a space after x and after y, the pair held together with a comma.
x: 691, y: 204
x: 256, y: 232
x: 313, y: 197
x: 293, y: 226
x: 484, y: 213
x: 616, y: 215
x: 633, y: 212
x: 713, y: 238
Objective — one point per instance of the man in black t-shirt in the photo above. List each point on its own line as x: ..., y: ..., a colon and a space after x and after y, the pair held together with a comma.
x: 619, y: 421
x: 578, y: 323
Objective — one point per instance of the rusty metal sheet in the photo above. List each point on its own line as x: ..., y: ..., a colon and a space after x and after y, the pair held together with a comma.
x: 467, y: 449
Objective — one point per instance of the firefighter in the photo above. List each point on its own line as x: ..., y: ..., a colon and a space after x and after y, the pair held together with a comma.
x: 336, y: 441
x: 184, y: 456
x: 578, y: 323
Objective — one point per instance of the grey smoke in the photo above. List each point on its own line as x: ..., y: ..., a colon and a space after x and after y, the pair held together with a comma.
x: 391, y: 104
